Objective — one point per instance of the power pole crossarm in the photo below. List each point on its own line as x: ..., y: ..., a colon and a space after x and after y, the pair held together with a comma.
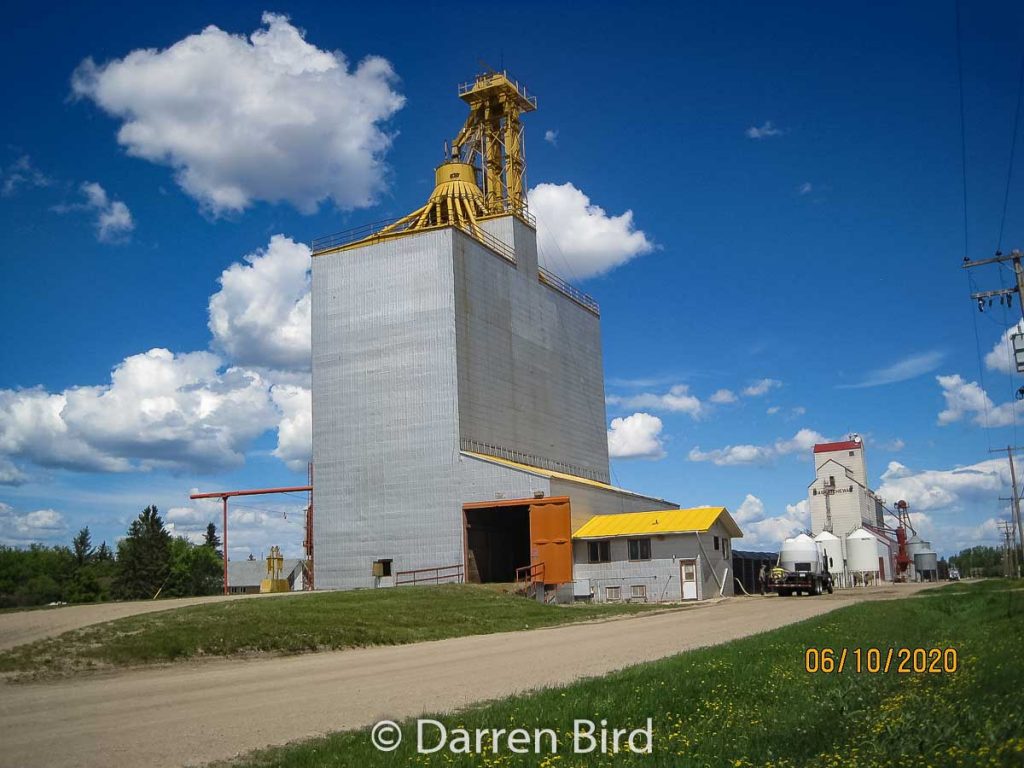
x: 1015, y: 257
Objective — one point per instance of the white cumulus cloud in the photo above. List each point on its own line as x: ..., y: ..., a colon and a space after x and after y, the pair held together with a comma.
x: 723, y: 396
x: 953, y: 508
x: 762, y: 530
x: 45, y: 526
x: 551, y: 137
x: 966, y: 399
x: 761, y: 387
x: 579, y: 239
x: 159, y: 410
x: 261, y: 314
x: 801, y: 442
x: 253, y: 525
x: 677, y: 400
x: 1000, y: 357
x: 295, y: 430
x: 635, y: 437
x: 114, y: 220
x: 945, y: 489
x: 752, y: 508
x: 265, y: 117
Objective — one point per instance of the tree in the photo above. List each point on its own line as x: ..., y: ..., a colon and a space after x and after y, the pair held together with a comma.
x: 194, y: 570
x: 980, y: 560
x: 82, y: 545
x: 212, y: 540
x: 104, y: 554
x: 143, y: 557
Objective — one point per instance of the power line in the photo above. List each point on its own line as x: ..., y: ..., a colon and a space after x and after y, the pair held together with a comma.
x: 963, y: 122
x: 963, y: 175
x: 1013, y: 147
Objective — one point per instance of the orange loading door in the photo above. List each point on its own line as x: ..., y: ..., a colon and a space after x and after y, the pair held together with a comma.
x: 551, y: 540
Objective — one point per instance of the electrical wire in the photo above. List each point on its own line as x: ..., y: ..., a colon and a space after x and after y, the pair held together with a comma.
x: 967, y: 244
x: 1013, y: 147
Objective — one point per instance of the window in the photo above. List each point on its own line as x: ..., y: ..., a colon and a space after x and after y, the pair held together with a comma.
x: 613, y: 594
x: 638, y: 592
x: 851, y: 453
x: 599, y: 551
x: 725, y: 548
x: 716, y: 543
x: 639, y: 549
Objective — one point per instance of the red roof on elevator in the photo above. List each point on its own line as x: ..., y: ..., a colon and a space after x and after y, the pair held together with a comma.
x: 845, y: 445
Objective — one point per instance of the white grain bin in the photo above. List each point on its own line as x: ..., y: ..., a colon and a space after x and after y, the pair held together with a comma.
x: 799, y: 554
x: 861, y: 552
x: 914, y: 545
x: 832, y: 551
x: 926, y: 563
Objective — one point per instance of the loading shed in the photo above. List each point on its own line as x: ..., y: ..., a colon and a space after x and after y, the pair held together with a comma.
x: 660, y: 556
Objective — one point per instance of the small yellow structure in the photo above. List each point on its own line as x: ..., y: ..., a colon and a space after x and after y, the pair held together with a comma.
x: 275, y: 567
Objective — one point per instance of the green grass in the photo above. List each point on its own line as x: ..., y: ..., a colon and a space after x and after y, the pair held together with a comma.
x: 293, y: 624
x: 751, y: 703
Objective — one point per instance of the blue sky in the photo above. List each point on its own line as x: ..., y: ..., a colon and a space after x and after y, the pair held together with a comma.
x: 820, y: 250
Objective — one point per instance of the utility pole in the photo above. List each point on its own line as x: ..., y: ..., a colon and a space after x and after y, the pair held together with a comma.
x: 1009, y: 548
x: 1016, y: 342
x: 1005, y: 294
x: 1006, y: 298
x: 1015, y: 520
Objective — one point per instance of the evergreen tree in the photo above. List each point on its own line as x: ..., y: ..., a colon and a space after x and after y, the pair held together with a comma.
x: 82, y: 545
x: 143, y: 557
x: 212, y: 540
x: 104, y: 554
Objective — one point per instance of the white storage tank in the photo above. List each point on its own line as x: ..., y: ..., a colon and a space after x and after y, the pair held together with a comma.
x: 799, y: 554
x: 861, y: 552
x: 914, y: 545
x: 927, y: 563
x: 832, y: 550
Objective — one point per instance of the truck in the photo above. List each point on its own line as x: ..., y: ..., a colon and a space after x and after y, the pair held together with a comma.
x: 801, y: 568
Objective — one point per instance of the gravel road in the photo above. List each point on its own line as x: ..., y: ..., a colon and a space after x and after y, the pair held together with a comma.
x: 193, y: 713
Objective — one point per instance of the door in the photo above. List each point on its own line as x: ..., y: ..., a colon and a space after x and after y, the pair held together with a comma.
x: 688, y: 579
x: 551, y: 539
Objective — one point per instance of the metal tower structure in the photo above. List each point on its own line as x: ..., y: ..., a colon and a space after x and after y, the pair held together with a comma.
x: 483, y: 175
x: 493, y: 135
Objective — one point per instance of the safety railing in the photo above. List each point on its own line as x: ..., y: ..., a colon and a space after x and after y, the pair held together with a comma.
x: 530, y: 574
x: 372, y: 233
x: 500, y: 247
x: 445, y: 574
x: 346, y: 236
x: 586, y: 301
x: 517, y: 209
x: 520, y: 457
x: 484, y: 80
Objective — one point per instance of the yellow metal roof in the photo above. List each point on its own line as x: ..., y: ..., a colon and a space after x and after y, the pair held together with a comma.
x: 663, y: 521
x: 550, y: 473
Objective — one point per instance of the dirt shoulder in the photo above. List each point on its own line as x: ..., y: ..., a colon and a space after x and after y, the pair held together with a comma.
x: 195, y: 713
x: 20, y: 627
